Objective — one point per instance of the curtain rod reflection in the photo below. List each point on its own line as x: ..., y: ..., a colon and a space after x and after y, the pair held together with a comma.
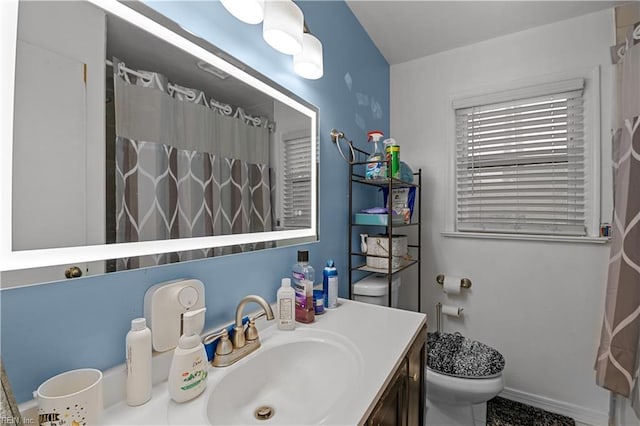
x: 224, y: 109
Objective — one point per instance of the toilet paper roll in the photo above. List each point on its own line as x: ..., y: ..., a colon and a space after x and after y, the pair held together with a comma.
x: 451, y: 284
x: 452, y: 311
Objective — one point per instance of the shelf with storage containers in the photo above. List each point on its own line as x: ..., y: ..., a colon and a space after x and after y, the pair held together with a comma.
x: 380, y: 257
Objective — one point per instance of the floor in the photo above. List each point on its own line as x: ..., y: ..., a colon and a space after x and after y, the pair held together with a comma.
x: 504, y: 412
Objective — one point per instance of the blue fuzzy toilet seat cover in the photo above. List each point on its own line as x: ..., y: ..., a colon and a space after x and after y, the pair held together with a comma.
x: 456, y: 355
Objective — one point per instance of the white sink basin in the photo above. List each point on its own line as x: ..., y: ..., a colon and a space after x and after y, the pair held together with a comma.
x: 296, y: 377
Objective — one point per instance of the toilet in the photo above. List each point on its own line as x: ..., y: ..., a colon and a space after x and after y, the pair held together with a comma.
x: 451, y: 400
x: 374, y: 289
x: 460, y: 400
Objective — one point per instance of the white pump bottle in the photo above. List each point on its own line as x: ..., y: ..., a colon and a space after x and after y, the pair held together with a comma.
x: 188, y: 371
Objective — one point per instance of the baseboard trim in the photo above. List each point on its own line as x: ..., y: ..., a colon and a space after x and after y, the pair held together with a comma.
x: 577, y: 412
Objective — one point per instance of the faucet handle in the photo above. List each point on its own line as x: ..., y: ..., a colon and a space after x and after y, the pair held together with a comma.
x: 224, y: 345
x: 210, y: 338
x: 252, y: 332
x: 217, y: 343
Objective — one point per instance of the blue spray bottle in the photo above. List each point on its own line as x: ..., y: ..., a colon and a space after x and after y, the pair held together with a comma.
x: 376, y: 165
x: 330, y: 285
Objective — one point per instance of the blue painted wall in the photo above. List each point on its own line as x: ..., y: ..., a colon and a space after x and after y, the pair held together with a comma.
x: 47, y: 329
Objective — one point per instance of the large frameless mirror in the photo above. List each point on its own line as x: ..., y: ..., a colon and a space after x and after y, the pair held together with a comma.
x: 130, y: 142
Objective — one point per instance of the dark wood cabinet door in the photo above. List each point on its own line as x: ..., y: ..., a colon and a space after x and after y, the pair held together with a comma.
x: 391, y: 409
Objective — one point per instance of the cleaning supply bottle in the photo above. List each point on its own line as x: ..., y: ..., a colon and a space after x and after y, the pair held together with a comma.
x: 376, y: 166
x: 188, y: 371
x: 286, y: 304
x: 303, y: 276
x: 138, y: 355
x: 330, y: 285
x: 392, y: 157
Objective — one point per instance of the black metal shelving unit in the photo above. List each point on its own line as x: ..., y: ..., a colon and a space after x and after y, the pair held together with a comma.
x: 414, y: 249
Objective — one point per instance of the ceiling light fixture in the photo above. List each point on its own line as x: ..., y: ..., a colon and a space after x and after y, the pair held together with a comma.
x: 283, y: 25
x: 284, y: 29
x: 248, y: 11
x: 308, y: 63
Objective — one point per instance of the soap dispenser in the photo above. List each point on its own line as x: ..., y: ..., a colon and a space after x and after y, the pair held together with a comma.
x: 188, y: 371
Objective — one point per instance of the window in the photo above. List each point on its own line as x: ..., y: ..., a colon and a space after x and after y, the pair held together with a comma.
x: 297, y: 182
x: 521, y: 161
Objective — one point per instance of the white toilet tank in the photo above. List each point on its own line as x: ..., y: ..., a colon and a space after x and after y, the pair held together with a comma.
x: 374, y: 289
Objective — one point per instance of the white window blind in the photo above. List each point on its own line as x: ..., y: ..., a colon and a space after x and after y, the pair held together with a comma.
x: 520, y: 163
x: 297, y: 183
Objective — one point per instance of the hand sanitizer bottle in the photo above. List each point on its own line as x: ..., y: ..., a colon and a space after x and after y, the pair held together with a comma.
x: 286, y: 306
x: 188, y: 371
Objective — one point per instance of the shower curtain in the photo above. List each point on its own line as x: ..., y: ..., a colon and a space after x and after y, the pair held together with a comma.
x: 618, y: 357
x: 184, y: 168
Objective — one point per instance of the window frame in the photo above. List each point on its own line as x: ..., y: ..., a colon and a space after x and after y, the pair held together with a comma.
x: 592, y: 162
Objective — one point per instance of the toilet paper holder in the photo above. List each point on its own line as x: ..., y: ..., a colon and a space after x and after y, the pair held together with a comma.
x: 464, y: 282
x: 439, y: 313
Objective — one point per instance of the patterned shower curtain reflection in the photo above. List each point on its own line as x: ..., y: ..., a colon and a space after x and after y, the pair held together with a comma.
x: 618, y: 357
x: 183, y: 168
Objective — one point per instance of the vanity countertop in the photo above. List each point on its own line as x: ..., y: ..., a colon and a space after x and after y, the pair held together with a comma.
x: 381, y: 335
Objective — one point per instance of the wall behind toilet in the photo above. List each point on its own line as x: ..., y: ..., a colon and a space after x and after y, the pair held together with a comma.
x: 540, y: 303
x: 47, y: 329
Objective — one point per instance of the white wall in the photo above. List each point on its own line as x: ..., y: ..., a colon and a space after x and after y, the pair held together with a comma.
x: 77, y: 31
x: 539, y: 303
x: 61, y: 48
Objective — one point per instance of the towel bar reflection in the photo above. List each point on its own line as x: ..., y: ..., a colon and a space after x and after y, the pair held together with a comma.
x: 464, y: 282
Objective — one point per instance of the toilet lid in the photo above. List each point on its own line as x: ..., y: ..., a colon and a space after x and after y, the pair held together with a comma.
x: 375, y: 285
x: 457, y: 356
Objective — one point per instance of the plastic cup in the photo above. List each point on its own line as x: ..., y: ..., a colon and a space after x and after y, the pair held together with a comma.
x: 73, y: 398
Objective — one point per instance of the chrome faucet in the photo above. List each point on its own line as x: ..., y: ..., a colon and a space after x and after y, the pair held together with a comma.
x: 244, y: 341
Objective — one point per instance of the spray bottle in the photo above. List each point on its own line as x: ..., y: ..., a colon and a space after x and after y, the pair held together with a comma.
x: 376, y: 166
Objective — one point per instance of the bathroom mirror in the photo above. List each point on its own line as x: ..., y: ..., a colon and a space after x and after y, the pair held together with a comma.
x: 127, y: 142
